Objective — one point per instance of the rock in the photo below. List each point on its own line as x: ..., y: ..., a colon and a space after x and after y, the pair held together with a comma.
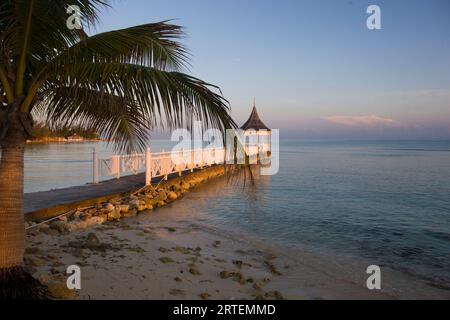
x: 116, y: 201
x: 93, y: 221
x: 225, y: 274
x: 77, y: 225
x: 172, y: 196
x: 138, y: 205
x: 274, y: 295
x: 160, y: 204
x: 44, y: 278
x: 129, y: 213
x: 149, y: 201
x: 114, y: 215
x: 92, y: 240
x: 123, y: 208
x: 237, y: 276
x: 80, y: 253
x: 162, y: 195
x: 33, y: 232
x: 185, y: 186
x: 195, y: 271
x: 58, y: 225
x: 238, y: 263
x: 259, y: 296
x: 109, y: 207
x: 149, y: 207
x: 75, y: 216
x: 52, y: 257
x: 60, y: 291
x: 165, y: 260
x: 37, y: 262
x: 85, y: 216
x: 43, y: 227
x: 49, y: 231
x: 134, y: 204
x: 182, y: 250
x: 92, y: 211
x: 205, y: 296
x: 272, y: 268
x: 138, y: 250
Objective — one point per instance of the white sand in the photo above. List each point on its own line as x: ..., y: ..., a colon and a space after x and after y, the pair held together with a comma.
x: 129, y: 267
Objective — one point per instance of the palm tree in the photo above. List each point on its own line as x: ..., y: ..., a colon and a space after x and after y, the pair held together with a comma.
x: 120, y: 83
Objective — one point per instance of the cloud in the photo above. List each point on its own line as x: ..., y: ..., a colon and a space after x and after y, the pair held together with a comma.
x: 363, y: 121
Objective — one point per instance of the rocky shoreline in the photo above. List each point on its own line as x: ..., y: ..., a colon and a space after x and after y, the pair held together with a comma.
x: 147, y: 245
x: 145, y: 199
x: 113, y: 210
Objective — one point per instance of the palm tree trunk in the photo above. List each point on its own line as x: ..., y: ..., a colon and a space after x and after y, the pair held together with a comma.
x: 15, y: 282
x: 12, y: 228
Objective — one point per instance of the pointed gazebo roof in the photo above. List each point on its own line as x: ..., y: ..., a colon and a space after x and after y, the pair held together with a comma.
x: 254, y: 122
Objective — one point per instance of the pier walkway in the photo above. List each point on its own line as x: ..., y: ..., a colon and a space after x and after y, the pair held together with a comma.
x: 47, y: 199
x: 64, y: 199
x: 118, y: 175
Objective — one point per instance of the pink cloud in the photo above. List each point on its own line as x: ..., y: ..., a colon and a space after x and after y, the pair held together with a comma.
x: 363, y: 121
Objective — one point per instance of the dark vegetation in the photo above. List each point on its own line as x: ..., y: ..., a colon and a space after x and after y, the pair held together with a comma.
x: 41, y: 131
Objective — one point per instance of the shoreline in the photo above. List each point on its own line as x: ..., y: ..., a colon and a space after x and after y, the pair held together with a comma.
x: 164, y: 254
x: 146, y: 258
x: 142, y: 259
x: 62, y: 141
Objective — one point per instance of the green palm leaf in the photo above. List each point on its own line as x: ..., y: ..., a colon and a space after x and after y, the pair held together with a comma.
x: 122, y: 82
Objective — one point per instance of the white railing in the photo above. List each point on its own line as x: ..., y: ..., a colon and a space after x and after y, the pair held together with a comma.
x: 162, y: 164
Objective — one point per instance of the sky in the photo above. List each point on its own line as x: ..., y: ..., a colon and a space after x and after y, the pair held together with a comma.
x: 315, y: 68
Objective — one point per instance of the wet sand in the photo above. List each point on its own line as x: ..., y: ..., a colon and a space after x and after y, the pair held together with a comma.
x: 146, y: 258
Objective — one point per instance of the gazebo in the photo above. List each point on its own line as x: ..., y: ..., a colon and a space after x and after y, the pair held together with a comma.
x: 257, y: 132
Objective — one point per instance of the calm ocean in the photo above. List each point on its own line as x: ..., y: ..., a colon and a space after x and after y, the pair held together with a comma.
x: 387, y: 202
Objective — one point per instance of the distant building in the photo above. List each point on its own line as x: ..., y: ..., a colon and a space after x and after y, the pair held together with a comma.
x: 74, y: 137
x: 258, y: 133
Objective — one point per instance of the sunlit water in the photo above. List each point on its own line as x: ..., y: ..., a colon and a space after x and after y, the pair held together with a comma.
x: 385, y: 202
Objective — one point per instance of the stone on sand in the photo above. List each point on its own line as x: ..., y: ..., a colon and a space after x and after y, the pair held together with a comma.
x: 172, y: 196
x: 114, y: 215
x: 194, y: 271
x: 58, y: 225
x: 60, y: 291
x: 166, y: 260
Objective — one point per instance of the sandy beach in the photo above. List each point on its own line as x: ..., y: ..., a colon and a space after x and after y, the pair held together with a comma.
x: 158, y: 255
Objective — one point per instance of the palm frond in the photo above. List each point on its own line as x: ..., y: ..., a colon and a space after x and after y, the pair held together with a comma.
x: 122, y: 83
x: 152, y: 44
x: 137, y: 97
